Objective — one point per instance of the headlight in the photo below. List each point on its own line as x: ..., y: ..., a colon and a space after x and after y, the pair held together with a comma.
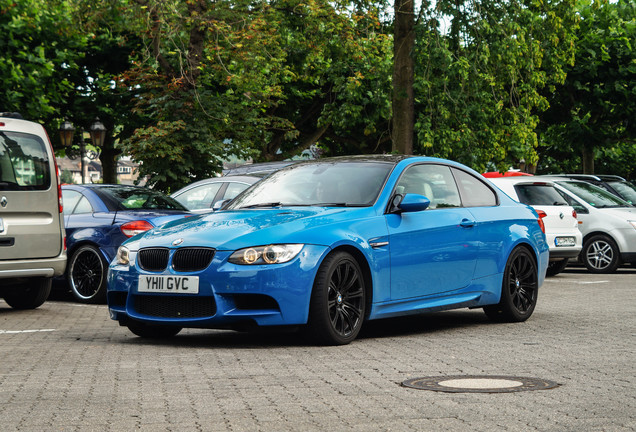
x: 633, y: 223
x: 123, y: 255
x: 272, y: 254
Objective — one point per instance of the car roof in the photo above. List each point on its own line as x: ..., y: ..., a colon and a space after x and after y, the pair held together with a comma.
x: 521, y: 180
x: 102, y: 186
x: 595, y: 177
x: 274, y: 166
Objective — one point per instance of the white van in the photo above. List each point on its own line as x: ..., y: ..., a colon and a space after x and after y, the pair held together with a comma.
x: 32, y: 238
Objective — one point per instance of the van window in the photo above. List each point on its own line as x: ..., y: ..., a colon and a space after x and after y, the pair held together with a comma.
x: 24, y: 163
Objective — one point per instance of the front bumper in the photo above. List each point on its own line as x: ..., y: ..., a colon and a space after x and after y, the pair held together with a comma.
x: 229, y: 294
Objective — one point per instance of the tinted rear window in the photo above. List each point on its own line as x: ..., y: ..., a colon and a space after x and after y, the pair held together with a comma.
x: 24, y: 162
x: 533, y: 194
x: 133, y: 198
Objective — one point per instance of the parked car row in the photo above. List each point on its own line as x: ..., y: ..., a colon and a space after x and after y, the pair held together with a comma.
x: 606, y: 221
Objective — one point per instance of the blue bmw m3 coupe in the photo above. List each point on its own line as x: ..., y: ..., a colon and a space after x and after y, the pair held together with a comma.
x: 328, y: 244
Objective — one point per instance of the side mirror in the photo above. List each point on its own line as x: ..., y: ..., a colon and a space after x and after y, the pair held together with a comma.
x: 414, y: 203
x: 219, y: 204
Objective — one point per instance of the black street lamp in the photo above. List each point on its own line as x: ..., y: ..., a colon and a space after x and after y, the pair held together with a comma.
x: 97, y: 133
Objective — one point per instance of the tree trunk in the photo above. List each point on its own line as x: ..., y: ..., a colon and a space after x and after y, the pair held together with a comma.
x: 587, y: 157
x: 403, y: 76
x: 108, y: 159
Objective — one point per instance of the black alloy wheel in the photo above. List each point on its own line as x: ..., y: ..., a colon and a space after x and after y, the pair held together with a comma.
x: 600, y: 254
x: 519, y: 289
x: 86, y: 275
x: 338, y: 300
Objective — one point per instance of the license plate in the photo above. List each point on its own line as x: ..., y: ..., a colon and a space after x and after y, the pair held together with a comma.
x: 565, y: 241
x: 168, y: 284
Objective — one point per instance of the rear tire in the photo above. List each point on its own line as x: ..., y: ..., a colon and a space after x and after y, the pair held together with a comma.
x: 28, y: 295
x: 152, y: 331
x: 556, y: 267
x: 519, y: 289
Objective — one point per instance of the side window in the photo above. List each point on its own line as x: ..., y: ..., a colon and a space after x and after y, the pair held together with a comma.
x: 475, y: 193
x: 200, y: 197
x: 70, y: 199
x: 83, y: 206
x: 435, y: 182
x: 577, y: 206
x: 233, y: 189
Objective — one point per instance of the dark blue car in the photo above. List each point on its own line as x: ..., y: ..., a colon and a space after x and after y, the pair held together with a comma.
x: 98, y: 219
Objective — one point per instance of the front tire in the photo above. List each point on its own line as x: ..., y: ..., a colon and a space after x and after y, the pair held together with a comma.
x: 519, y: 289
x: 600, y: 254
x: 86, y: 275
x: 28, y: 295
x: 338, y: 299
x: 151, y: 331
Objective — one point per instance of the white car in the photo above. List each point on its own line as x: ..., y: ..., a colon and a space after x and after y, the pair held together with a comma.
x: 560, y: 218
x: 607, y: 222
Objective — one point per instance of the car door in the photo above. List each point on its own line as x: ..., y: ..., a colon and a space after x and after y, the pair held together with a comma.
x: 435, y: 250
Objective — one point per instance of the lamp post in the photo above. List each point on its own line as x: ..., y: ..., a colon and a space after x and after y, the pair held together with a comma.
x: 97, y: 133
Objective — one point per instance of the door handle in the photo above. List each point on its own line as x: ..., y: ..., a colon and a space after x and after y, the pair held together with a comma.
x: 467, y: 223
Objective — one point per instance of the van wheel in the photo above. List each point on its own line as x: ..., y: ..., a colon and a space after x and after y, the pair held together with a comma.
x: 30, y: 294
x: 86, y: 275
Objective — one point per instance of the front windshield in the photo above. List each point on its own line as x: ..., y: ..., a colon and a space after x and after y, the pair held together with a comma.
x: 340, y: 183
x: 626, y: 189
x: 593, y: 195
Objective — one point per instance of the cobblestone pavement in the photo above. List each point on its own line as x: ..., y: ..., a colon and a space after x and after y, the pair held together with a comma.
x: 68, y: 367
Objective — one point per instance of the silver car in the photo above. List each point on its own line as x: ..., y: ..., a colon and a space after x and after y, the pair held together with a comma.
x: 32, y: 243
x: 560, y: 219
x: 608, y: 224
x: 201, y: 196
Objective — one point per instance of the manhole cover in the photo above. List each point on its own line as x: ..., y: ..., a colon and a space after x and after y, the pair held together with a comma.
x: 479, y: 384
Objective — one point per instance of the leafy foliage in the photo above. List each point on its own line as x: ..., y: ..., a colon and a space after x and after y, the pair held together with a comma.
x: 591, y: 115
x: 479, y: 87
x: 38, y: 45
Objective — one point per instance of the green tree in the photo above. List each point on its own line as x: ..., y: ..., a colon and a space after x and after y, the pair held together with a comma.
x: 264, y: 80
x: 592, y: 114
x: 38, y: 45
x: 479, y: 84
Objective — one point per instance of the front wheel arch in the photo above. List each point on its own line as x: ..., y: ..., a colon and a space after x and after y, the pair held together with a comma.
x: 366, y: 273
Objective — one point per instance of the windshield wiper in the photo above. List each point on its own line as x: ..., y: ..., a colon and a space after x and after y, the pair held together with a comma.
x: 270, y: 204
x: 332, y: 204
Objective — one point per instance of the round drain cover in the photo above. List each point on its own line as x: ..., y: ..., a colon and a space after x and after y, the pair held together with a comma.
x: 479, y: 384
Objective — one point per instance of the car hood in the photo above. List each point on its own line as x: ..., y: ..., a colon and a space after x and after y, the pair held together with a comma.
x: 234, y: 229
x: 627, y: 213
